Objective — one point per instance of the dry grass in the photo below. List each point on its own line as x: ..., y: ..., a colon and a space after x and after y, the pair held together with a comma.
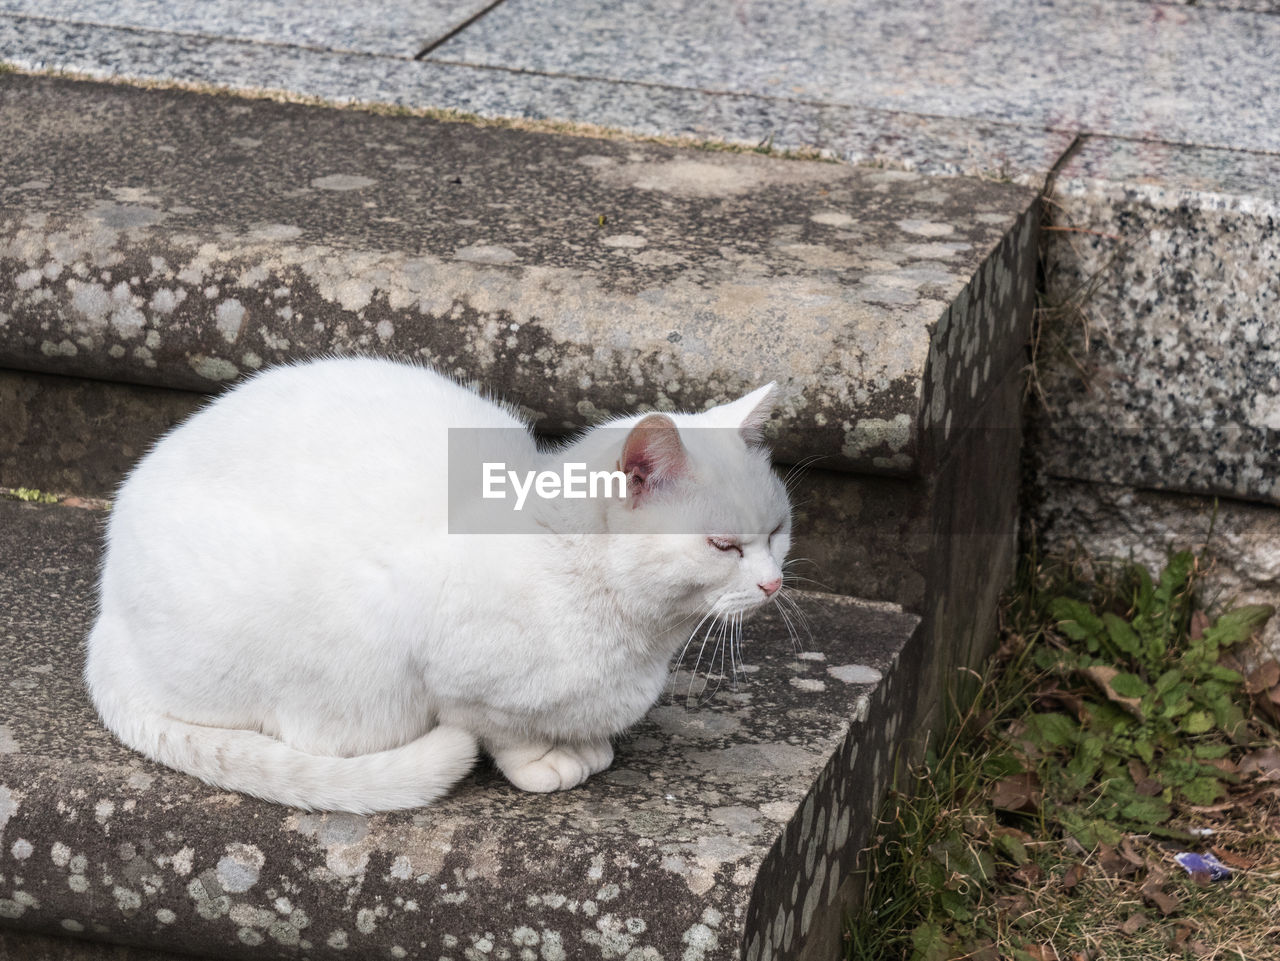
x: 964, y: 867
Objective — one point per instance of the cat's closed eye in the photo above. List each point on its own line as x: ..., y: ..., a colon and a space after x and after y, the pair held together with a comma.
x: 725, y: 544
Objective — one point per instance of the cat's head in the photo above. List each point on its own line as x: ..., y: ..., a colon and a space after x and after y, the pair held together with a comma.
x: 710, y: 520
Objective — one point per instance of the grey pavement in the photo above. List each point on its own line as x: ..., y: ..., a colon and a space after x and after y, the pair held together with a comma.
x: 1154, y: 126
x: 999, y: 87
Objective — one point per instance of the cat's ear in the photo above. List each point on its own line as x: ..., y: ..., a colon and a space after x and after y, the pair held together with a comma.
x: 750, y: 413
x: 652, y: 456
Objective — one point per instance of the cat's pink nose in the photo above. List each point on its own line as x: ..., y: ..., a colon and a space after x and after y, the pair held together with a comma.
x: 771, y: 587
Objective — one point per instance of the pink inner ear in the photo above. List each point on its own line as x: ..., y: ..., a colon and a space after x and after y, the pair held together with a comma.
x: 653, y: 454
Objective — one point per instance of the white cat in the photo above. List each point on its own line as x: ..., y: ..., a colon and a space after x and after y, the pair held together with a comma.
x: 285, y: 612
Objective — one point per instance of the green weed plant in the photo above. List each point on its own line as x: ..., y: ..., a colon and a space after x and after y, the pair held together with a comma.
x: 1160, y: 707
x: 1114, y: 712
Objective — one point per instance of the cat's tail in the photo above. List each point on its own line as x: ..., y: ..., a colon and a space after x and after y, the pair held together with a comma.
x: 408, y: 776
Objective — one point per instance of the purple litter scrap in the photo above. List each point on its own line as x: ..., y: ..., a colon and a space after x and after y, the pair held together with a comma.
x: 1192, y: 863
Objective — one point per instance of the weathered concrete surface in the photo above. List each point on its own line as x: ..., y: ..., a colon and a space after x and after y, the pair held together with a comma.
x: 179, y: 240
x: 26, y: 946
x: 723, y: 830
x: 71, y: 435
x: 1237, y: 543
x: 864, y: 535
x: 1160, y: 359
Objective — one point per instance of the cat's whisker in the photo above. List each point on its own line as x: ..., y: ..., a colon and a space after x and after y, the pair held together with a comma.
x: 794, y: 580
x: 788, y: 603
x: 737, y: 650
x: 701, y: 650
x: 723, y: 639
x: 692, y: 634
x: 719, y: 649
x: 797, y: 471
x: 680, y: 661
x: 735, y: 632
x: 791, y: 629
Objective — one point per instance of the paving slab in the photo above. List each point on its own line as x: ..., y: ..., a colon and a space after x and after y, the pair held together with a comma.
x: 1161, y: 364
x: 395, y: 28
x: 724, y: 829
x: 1186, y: 74
x: 178, y: 240
x: 934, y: 145
x: 1257, y: 6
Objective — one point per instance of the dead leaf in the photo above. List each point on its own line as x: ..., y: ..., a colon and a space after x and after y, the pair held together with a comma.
x: 1199, y: 621
x: 1101, y: 675
x: 1029, y: 874
x: 1143, y: 783
x: 1013, y: 905
x: 1263, y: 677
x: 1231, y: 860
x: 1042, y: 952
x: 1154, y: 892
x: 1074, y: 847
x: 1017, y: 792
x: 1133, y: 923
x: 1130, y: 855
x: 1114, y: 863
x: 86, y: 503
x: 1265, y: 761
x: 1052, y: 697
x: 1075, y: 874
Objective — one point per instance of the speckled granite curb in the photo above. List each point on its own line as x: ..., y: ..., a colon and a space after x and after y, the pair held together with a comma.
x: 394, y: 28
x: 1167, y: 72
x: 181, y: 240
x: 1160, y: 362
x: 929, y: 144
x: 723, y: 830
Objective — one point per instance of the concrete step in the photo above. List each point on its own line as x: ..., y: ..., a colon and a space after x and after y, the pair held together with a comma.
x: 177, y: 240
x: 724, y: 829
x: 154, y: 245
x: 167, y: 239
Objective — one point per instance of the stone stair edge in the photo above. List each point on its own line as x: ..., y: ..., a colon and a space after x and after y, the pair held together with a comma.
x: 81, y: 813
x: 927, y: 142
x: 662, y: 303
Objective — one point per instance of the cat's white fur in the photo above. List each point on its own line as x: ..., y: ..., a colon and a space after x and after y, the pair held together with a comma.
x: 284, y: 612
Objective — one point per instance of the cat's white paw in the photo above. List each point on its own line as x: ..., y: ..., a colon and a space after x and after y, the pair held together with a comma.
x: 555, y: 769
x: 597, y: 756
